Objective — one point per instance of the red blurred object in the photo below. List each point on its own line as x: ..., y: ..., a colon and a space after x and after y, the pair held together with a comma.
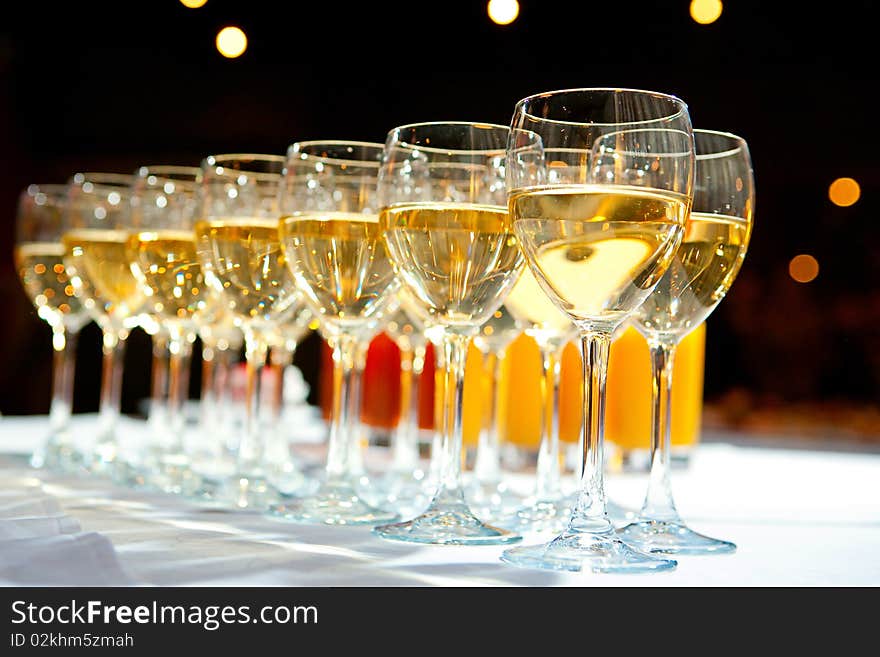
x: 380, y: 401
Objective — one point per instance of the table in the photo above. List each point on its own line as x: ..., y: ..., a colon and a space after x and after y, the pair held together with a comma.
x: 800, y: 517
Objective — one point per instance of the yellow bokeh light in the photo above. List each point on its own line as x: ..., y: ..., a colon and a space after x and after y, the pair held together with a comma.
x: 706, y: 11
x: 844, y: 192
x: 193, y: 4
x: 231, y: 41
x: 503, y: 12
x: 803, y: 268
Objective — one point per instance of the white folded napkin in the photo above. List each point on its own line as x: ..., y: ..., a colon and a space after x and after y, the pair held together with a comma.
x: 38, y: 527
x: 85, y: 559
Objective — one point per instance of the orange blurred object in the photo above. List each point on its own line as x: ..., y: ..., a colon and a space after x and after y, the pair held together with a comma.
x: 628, y: 402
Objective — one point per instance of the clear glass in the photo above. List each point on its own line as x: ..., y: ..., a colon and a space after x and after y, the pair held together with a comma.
x: 707, y: 262
x: 444, y: 213
x: 162, y: 252
x: 283, y: 470
x: 549, y: 508
x: 239, y: 250
x: 97, y: 223
x: 334, y: 249
x: 213, y: 449
x: 488, y: 492
x: 39, y: 260
x: 405, y: 486
x: 597, y: 242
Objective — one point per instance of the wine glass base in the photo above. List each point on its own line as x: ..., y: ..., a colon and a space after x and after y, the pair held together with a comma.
x: 671, y: 537
x: 541, y: 516
x: 403, y: 493
x: 447, y: 526
x: 492, y: 500
x: 331, y: 504
x: 246, y: 492
x: 586, y: 552
x: 60, y: 457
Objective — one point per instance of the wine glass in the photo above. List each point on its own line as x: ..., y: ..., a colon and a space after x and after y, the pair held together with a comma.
x: 97, y: 223
x: 39, y: 259
x: 405, y: 486
x: 444, y: 213
x: 705, y: 266
x: 239, y: 249
x: 284, y: 473
x: 548, y: 508
x: 333, y: 247
x: 162, y: 252
x: 488, y: 493
x: 214, y: 445
x: 598, y: 246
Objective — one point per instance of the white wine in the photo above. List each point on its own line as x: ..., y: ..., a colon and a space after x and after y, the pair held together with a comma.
x: 705, y: 266
x: 459, y: 261
x: 100, y: 269
x: 167, y: 266
x: 41, y: 269
x: 532, y: 306
x: 341, y: 265
x: 598, y: 250
x: 247, y: 264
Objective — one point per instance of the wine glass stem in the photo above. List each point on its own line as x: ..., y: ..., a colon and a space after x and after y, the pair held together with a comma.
x: 250, y: 449
x: 64, y: 363
x: 487, y: 463
x: 159, y: 385
x: 180, y: 349
x: 405, y: 448
x: 589, y: 514
x: 658, y: 503
x: 345, y: 412
x: 110, y: 403
x: 455, y: 348
x: 435, y: 467
x: 547, y: 475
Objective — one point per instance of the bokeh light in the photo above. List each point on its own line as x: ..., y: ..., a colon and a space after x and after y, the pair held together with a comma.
x: 844, y: 192
x: 503, y: 12
x: 193, y: 4
x: 803, y: 268
x: 706, y: 11
x: 231, y: 41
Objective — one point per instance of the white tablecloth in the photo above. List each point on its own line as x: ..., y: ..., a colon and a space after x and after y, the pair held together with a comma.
x: 800, y: 517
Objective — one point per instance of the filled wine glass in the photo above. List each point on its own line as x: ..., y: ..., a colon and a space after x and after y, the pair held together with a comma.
x: 333, y: 247
x: 39, y: 259
x: 705, y: 266
x: 97, y: 224
x: 548, y: 508
x: 239, y: 249
x: 162, y: 252
x: 444, y: 215
x: 598, y: 246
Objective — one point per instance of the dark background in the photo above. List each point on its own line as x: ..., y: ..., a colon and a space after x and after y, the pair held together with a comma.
x: 113, y: 85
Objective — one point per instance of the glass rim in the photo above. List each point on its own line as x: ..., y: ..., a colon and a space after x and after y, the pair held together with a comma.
x: 209, y: 163
x: 102, y: 179
x: 33, y: 189
x: 741, y: 144
x: 334, y: 142
x: 683, y: 110
x: 164, y: 169
x: 456, y: 151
